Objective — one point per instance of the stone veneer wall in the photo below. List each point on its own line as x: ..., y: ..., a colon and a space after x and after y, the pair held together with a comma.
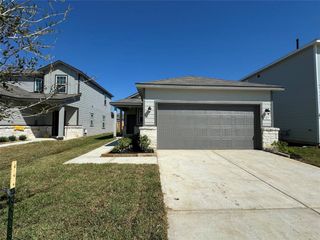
x: 30, y: 131
x: 151, y: 132
x: 269, y: 135
x: 71, y: 132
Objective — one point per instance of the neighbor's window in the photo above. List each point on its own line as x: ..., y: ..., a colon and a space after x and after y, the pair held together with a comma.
x: 38, y: 85
x: 105, y: 100
x: 91, y: 119
x: 61, y: 83
x: 103, y: 122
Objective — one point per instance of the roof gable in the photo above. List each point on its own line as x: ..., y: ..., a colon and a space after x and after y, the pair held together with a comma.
x: 59, y: 62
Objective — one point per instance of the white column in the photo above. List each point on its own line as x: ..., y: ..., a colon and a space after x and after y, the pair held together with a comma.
x: 114, y: 123
x: 61, y: 123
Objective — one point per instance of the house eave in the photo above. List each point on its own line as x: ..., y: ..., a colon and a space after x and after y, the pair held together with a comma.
x: 243, y: 88
x: 317, y: 41
x: 48, y: 66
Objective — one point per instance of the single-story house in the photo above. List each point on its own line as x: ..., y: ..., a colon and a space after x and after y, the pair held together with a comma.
x: 201, y: 113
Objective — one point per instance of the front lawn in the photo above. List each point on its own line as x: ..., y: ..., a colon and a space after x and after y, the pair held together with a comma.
x: 56, y: 201
x: 310, y: 155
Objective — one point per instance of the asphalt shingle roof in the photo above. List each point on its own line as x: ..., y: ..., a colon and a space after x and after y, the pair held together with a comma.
x: 13, y: 91
x: 132, y: 100
x: 205, y: 81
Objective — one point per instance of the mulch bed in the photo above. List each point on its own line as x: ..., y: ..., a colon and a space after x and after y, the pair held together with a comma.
x: 133, y: 154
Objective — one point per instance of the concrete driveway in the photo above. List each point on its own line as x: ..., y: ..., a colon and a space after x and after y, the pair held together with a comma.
x: 239, y: 194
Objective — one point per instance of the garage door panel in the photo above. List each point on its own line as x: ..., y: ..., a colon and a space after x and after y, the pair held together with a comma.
x: 210, y: 127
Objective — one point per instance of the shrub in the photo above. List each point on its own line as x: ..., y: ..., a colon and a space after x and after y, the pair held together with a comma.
x: 22, y: 137
x: 144, y: 143
x: 12, y: 138
x: 282, y: 147
x: 124, y: 145
x: 4, y: 139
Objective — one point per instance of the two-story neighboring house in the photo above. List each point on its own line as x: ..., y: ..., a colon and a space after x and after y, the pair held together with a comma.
x: 297, y: 109
x: 73, y: 104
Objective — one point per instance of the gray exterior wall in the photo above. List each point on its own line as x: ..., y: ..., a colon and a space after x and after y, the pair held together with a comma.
x: 27, y: 84
x: 256, y: 97
x: 20, y: 119
x: 295, y: 109
x: 92, y: 101
x: 49, y: 79
x: 318, y: 88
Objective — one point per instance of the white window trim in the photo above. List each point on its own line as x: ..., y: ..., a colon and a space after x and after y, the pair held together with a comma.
x: 35, y: 85
x: 66, y: 84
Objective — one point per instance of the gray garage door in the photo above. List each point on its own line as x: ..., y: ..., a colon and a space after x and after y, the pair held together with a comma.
x: 195, y: 126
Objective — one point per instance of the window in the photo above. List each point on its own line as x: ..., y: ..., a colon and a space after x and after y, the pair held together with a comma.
x: 105, y: 100
x: 38, y: 85
x: 61, y: 83
x: 91, y: 119
x: 103, y: 122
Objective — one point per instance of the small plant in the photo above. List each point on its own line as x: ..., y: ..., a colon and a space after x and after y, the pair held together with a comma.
x: 4, y: 139
x: 124, y: 145
x: 144, y: 143
x: 22, y: 137
x: 281, y: 147
x: 12, y: 138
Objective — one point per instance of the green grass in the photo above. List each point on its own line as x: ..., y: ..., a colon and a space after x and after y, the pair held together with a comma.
x: 56, y: 201
x: 310, y: 155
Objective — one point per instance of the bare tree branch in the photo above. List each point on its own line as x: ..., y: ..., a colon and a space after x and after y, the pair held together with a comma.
x: 24, y: 29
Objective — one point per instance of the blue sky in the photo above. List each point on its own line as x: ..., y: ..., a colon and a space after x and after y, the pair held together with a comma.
x: 120, y: 43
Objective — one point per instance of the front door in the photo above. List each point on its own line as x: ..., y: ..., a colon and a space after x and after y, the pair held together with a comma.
x: 131, y: 123
x: 55, y: 123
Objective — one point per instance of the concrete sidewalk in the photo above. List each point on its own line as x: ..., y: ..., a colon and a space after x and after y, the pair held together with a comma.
x: 94, y: 157
x: 26, y: 142
x: 239, y: 194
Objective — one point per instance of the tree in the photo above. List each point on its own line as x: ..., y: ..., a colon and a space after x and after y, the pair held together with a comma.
x: 26, y: 31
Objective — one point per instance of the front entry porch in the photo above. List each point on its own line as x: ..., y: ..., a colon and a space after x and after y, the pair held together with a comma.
x: 131, y: 114
x: 132, y: 120
x: 65, y: 123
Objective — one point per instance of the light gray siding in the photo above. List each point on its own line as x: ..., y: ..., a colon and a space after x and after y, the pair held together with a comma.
x: 49, y: 79
x: 22, y: 119
x: 202, y: 96
x: 92, y: 101
x: 27, y: 84
x: 295, y: 108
